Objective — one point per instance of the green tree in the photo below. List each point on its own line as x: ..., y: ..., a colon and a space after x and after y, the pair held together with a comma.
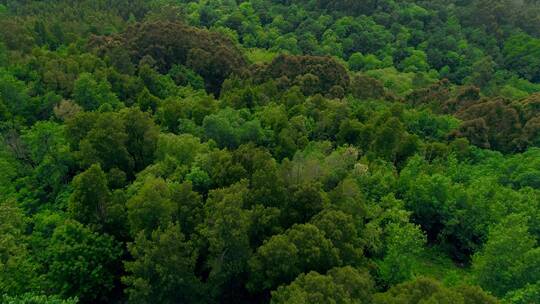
x: 426, y: 290
x: 16, y: 270
x: 36, y: 299
x: 339, y: 285
x: 510, y: 258
x: 106, y: 143
x: 521, y: 53
x: 50, y: 158
x: 142, y: 137
x: 226, y: 231
x: 404, y: 244
x: 81, y: 263
x: 416, y: 62
x: 14, y: 97
x: 340, y: 229
x: 91, y: 94
x: 163, y: 269
x: 189, y: 207
x: 279, y: 260
x: 528, y: 294
x: 151, y: 207
x: 91, y: 197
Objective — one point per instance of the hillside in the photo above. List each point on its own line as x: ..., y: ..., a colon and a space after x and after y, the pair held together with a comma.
x: 311, y: 151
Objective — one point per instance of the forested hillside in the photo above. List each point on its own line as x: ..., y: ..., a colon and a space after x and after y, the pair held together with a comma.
x: 270, y: 151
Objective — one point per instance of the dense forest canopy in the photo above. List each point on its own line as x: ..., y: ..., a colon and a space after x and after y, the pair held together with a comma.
x: 270, y: 151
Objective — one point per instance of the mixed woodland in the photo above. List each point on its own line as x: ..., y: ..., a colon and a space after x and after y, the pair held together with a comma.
x: 270, y: 151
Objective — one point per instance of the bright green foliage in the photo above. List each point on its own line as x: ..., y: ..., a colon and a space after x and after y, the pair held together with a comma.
x: 510, y: 258
x: 48, y: 153
x: 416, y: 62
x: 404, y: 244
x: 230, y: 128
x: 91, y: 94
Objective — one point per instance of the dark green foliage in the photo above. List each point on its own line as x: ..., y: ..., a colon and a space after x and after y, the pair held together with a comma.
x: 313, y: 74
x: 37, y: 299
x: 284, y: 257
x: 365, y: 87
x: 91, y: 198
x: 81, y: 263
x: 210, y: 55
x: 340, y: 285
x: 163, y: 269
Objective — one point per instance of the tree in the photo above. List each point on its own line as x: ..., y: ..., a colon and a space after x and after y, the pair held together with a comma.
x: 16, y: 270
x: 426, y: 290
x: 184, y: 76
x: 429, y: 198
x: 211, y: 55
x: 339, y: 285
x: 416, y: 62
x: 142, y: 137
x: 340, y: 229
x: 90, y: 199
x: 329, y: 72
x: 182, y: 148
x: 50, y: 158
x: 14, y: 96
x: 81, y: 263
x: 352, y: 7
x: 510, y: 258
x: 521, y: 53
x: 66, y: 110
x: 528, y: 294
x: 279, y: 260
x: 365, y: 87
x: 37, y: 299
x: 106, y: 144
x: 91, y: 94
x: 305, y: 200
x: 163, y: 268
x: 151, y: 207
x: 226, y: 230
x: 189, y: 207
x: 403, y: 245
x: 388, y: 138
x: 220, y: 129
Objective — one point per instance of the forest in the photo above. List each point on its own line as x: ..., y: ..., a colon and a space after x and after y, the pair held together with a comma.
x: 270, y: 151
